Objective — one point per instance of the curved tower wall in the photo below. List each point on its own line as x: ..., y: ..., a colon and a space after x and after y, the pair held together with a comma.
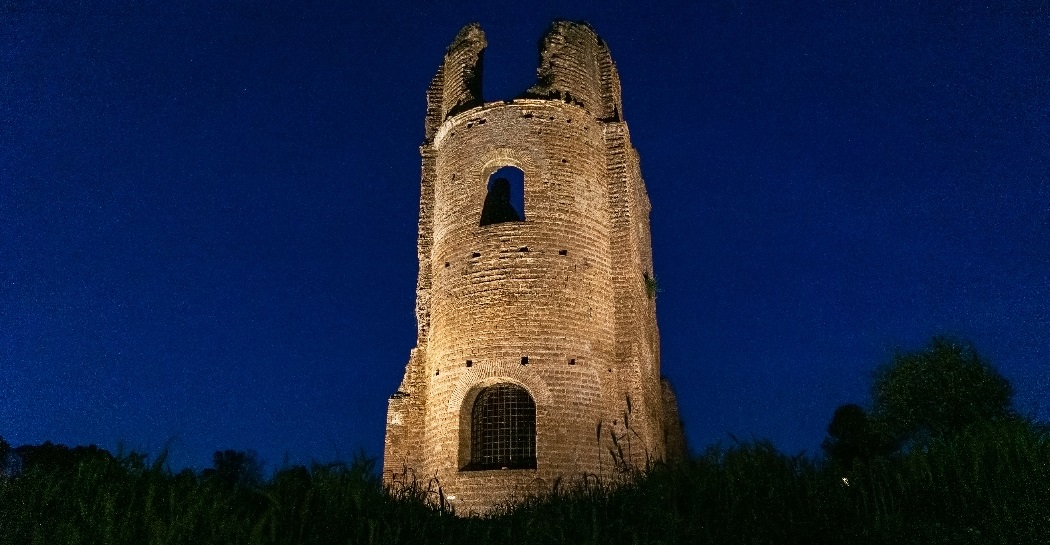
x: 507, y: 292
x: 566, y: 288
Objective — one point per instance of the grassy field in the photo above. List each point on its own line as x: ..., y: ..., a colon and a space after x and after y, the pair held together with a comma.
x: 988, y: 485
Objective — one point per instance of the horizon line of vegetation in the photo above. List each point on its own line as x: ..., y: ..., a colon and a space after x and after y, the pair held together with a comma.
x: 940, y: 455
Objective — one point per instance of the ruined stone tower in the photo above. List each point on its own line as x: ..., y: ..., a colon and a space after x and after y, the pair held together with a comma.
x: 537, y: 354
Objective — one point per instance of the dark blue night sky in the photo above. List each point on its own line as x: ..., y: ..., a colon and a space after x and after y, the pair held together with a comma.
x: 208, y: 209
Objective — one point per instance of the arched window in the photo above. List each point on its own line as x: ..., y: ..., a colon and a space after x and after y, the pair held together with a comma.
x: 505, y: 200
x: 503, y: 429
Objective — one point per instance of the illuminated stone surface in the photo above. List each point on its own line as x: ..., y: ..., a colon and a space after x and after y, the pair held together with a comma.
x: 568, y: 288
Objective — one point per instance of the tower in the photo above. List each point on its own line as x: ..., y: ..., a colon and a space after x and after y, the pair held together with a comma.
x: 537, y: 354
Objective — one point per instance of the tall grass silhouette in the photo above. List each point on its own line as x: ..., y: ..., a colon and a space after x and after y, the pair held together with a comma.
x: 990, y: 484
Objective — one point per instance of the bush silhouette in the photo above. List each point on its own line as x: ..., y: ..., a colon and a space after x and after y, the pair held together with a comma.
x: 937, y: 392
x: 234, y: 468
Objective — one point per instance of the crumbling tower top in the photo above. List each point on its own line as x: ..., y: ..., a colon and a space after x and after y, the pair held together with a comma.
x: 574, y: 66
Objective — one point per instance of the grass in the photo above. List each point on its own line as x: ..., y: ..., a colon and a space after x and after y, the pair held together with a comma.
x: 988, y: 485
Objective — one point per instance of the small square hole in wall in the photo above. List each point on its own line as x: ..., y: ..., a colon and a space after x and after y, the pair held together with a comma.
x: 524, y: 360
x: 438, y: 372
x: 563, y: 252
x: 475, y: 254
x: 572, y: 361
x: 523, y: 249
x: 469, y: 363
x: 446, y: 264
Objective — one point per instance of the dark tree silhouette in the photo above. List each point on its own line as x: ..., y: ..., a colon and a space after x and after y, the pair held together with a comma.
x: 937, y: 392
x: 234, y: 468
x: 851, y: 438
x: 497, y: 208
x: 57, y: 457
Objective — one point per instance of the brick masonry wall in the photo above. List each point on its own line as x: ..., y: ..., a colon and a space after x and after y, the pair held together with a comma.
x: 565, y: 288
